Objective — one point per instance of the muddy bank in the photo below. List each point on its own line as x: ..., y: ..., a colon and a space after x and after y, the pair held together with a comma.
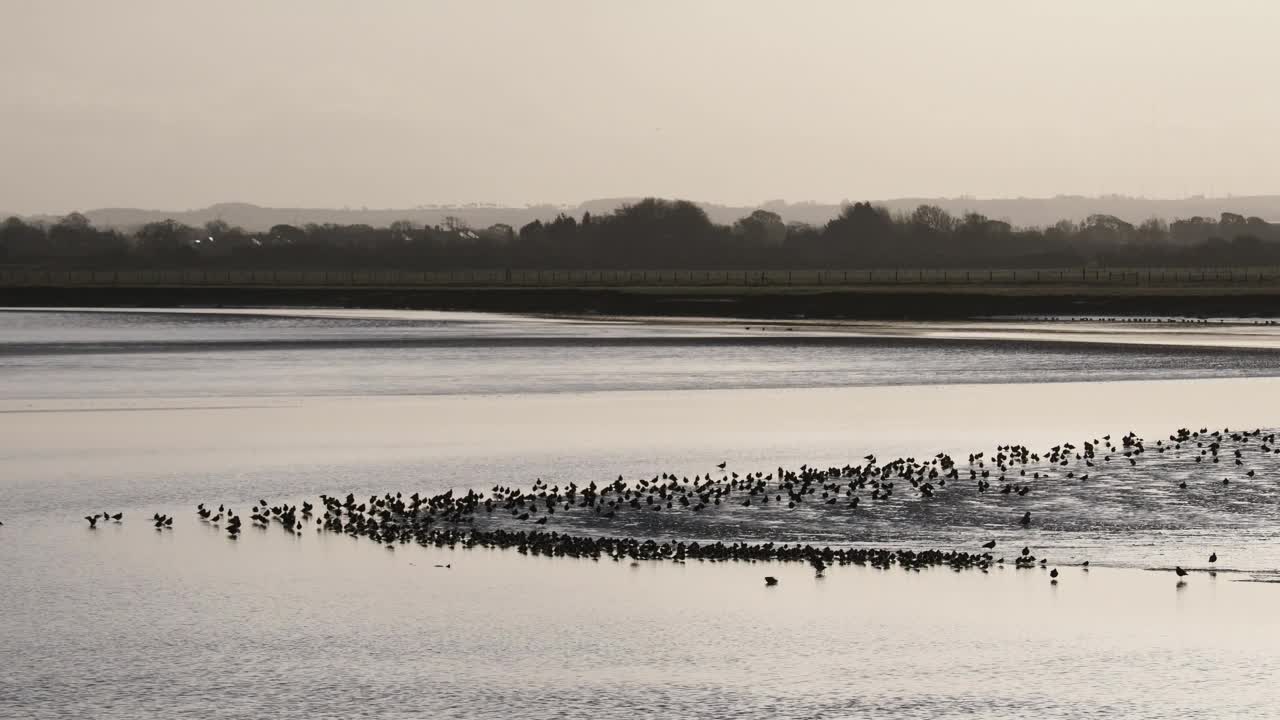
x: 861, y: 303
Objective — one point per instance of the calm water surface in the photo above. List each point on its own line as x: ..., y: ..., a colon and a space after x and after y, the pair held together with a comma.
x: 154, y: 412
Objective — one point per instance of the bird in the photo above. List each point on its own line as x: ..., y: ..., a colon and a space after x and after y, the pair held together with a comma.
x: 770, y: 580
x: 1026, y: 518
x: 117, y: 517
x: 1180, y: 571
x: 989, y: 544
x: 1213, y: 557
x: 722, y: 465
x: 93, y: 521
x: 1053, y: 573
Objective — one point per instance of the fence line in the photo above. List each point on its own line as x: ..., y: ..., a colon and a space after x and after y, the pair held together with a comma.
x: 1127, y: 276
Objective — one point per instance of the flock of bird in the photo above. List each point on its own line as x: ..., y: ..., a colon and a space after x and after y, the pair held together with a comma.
x: 1153, y: 320
x: 517, y: 518
x: 93, y: 519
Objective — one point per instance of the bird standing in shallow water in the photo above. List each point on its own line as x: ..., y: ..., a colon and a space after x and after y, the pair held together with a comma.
x: 989, y: 544
x: 1180, y: 572
x: 770, y: 580
x: 1026, y: 518
x: 1213, y: 557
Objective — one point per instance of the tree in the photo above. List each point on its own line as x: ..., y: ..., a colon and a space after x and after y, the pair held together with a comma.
x: 1231, y: 220
x: 659, y: 231
x: 284, y: 234
x: 761, y: 228
x: 861, y: 217
x: 166, y: 238
x: 216, y: 229
x: 532, y: 232
x: 20, y: 240
x: 1152, y: 231
x: 73, y: 234
x: 933, y: 219
x: 1107, y: 229
x: 1192, y: 230
x: 498, y: 233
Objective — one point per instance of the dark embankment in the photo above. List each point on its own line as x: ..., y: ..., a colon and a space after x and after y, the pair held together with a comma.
x: 855, y: 303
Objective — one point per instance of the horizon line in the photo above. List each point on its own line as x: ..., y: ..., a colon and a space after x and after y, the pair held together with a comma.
x: 478, y: 204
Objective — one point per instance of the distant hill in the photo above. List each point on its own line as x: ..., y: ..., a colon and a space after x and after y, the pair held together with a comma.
x: 1018, y: 211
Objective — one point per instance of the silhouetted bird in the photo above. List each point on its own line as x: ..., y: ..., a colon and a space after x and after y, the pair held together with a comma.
x: 93, y: 520
x: 989, y: 544
x: 1026, y: 518
x: 1180, y: 571
x: 770, y: 580
x: 1213, y: 557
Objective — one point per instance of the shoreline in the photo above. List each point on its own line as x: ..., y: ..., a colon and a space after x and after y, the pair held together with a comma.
x: 852, y: 303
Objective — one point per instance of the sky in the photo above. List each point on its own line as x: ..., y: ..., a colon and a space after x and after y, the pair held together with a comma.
x: 179, y: 104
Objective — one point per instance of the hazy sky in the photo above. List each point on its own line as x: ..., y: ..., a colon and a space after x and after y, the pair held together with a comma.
x: 175, y: 103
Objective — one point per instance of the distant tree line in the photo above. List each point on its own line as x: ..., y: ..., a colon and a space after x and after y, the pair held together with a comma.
x: 654, y: 233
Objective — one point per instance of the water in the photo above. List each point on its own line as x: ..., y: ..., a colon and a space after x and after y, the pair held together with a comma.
x: 154, y: 412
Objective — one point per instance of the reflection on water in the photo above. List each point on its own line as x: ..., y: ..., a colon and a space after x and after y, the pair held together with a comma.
x: 128, y: 355
x: 325, y: 627
x: 145, y: 413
